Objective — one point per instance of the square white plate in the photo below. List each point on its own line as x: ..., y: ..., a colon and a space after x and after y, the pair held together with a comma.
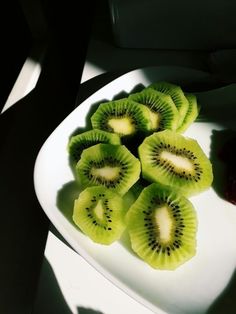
x: 195, y: 285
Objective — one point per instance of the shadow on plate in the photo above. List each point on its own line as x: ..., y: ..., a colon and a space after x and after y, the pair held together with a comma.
x: 218, y: 106
x: 82, y: 310
x: 225, y: 303
x: 94, y: 107
x: 219, y: 139
x: 66, y: 197
x: 123, y: 94
x: 88, y: 125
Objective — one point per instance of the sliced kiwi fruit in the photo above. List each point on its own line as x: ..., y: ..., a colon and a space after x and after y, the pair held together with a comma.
x: 100, y: 214
x: 162, y: 226
x: 177, y: 96
x: 172, y: 159
x: 124, y: 117
x: 192, y: 113
x: 119, y: 165
x: 112, y: 166
x: 163, y: 112
x: 79, y: 142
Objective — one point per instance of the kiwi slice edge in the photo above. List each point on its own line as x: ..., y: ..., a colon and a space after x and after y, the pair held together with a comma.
x: 177, y: 95
x: 192, y: 113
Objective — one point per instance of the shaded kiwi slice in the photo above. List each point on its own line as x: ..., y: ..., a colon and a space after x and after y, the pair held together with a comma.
x: 99, y: 213
x: 192, y: 113
x: 163, y: 112
x: 177, y: 96
x: 172, y: 159
x: 162, y: 226
x: 79, y: 142
x: 124, y: 117
x: 112, y: 166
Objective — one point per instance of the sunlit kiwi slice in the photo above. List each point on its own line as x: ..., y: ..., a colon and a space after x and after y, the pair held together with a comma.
x: 192, y: 113
x: 124, y: 117
x: 162, y: 225
x: 163, y: 112
x: 172, y: 159
x: 177, y: 96
x: 99, y: 213
x: 112, y: 166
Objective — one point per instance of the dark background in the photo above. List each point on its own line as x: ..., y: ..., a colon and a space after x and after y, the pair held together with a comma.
x: 66, y: 30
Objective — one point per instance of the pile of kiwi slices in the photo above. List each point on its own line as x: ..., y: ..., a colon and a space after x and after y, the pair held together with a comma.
x: 136, y: 147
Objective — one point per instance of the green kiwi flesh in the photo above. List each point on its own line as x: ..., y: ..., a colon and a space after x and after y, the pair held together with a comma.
x: 79, y: 142
x: 163, y: 112
x: 124, y: 117
x: 112, y: 166
x: 192, y: 113
x: 177, y: 96
x: 100, y: 214
x: 177, y: 161
x: 162, y: 226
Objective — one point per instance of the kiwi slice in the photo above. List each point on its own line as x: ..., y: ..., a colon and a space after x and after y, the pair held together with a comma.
x: 162, y: 226
x: 172, y: 159
x: 99, y: 213
x: 177, y: 96
x: 163, y: 112
x: 112, y: 166
x: 79, y: 142
x: 192, y: 113
x: 124, y: 117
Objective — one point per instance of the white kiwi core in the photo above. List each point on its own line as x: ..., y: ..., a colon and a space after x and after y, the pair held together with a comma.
x: 99, y: 210
x: 155, y: 119
x: 179, y: 162
x: 122, y: 125
x: 107, y: 172
x: 164, y: 223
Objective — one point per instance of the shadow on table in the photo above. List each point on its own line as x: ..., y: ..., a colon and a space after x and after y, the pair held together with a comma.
x: 50, y: 298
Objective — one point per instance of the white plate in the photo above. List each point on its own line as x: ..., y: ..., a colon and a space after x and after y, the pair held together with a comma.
x: 193, y: 286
